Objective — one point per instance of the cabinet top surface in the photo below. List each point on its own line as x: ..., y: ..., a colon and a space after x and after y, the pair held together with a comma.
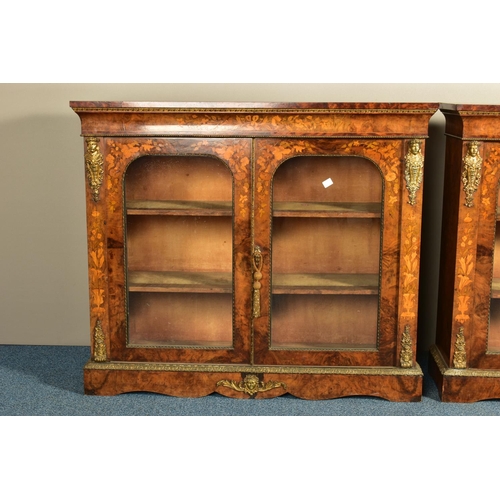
x: 252, y: 119
x: 470, y: 108
x: 132, y: 106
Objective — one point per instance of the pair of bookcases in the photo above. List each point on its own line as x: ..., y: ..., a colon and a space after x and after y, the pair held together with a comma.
x: 258, y: 249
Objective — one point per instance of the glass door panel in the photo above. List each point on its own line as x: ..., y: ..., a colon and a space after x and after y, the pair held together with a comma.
x: 494, y: 328
x: 179, y: 232
x: 326, y: 245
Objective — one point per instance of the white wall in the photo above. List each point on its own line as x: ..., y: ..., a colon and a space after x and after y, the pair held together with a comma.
x: 43, y: 285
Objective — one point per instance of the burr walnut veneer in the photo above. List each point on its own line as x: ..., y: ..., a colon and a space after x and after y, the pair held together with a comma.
x: 254, y: 249
x: 465, y: 361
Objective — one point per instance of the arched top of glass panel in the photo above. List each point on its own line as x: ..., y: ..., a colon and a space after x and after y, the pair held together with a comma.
x: 335, y: 184
x: 328, y: 178
x: 182, y: 178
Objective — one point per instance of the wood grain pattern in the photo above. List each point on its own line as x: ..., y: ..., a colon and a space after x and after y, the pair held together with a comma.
x: 144, y: 260
x: 410, y: 232
x: 385, y: 159
x: 462, y: 386
x: 468, y: 259
x: 402, y: 386
x: 257, y: 120
x: 234, y: 154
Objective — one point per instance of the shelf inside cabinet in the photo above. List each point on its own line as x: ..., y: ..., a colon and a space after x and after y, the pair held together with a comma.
x: 313, y: 283
x: 170, y: 281
x: 323, y: 346
x: 179, y: 207
x: 495, y: 288
x: 145, y: 341
x: 281, y: 209
x: 327, y: 209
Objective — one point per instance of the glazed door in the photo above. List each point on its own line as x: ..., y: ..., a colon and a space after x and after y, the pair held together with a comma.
x: 477, y: 335
x: 326, y: 234
x: 182, y: 210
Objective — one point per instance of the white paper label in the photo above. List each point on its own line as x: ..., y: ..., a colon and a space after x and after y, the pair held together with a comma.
x: 327, y: 183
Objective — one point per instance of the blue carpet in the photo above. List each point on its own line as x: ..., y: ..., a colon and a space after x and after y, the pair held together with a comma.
x: 48, y: 380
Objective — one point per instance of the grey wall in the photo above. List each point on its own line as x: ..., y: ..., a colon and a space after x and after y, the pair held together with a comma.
x: 44, y: 298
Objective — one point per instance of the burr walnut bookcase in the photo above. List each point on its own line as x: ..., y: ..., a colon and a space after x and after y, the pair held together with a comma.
x: 465, y: 361
x: 254, y: 249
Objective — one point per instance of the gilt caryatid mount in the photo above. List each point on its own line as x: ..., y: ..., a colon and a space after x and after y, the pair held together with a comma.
x: 471, y: 174
x: 94, y: 164
x: 414, y: 170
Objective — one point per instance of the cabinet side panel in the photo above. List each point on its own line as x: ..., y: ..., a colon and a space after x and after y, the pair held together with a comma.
x: 449, y: 235
x: 97, y: 237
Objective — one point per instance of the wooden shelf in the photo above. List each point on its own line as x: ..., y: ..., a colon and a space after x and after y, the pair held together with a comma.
x: 338, y: 284
x: 179, y: 207
x: 145, y: 340
x: 326, y: 209
x: 495, y: 288
x: 215, y: 282
x: 168, y: 281
x: 281, y: 209
x: 323, y: 346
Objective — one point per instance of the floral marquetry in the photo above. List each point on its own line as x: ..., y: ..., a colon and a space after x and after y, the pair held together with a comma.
x: 465, y: 361
x: 254, y: 249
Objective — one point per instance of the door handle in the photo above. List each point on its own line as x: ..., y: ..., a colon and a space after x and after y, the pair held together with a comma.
x: 257, y: 276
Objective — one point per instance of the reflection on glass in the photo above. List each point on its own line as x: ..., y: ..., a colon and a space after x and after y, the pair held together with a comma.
x: 326, y: 237
x: 494, y: 326
x: 179, y: 252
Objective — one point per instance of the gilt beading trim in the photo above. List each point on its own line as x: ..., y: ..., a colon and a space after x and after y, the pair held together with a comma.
x: 457, y: 372
x: 202, y: 110
x: 206, y: 368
